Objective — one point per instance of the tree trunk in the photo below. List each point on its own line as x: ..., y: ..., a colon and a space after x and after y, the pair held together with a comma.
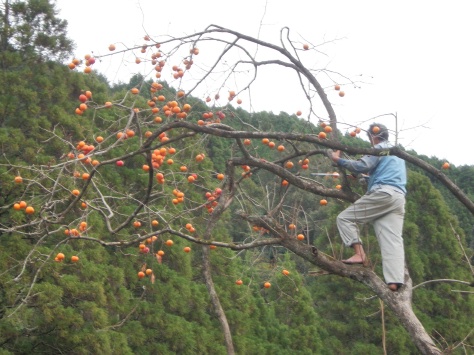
x: 6, y: 26
x: 216, y: 304
x: 399, y: 302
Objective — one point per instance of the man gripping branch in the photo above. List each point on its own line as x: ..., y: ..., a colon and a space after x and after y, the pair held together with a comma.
x: 383, y: 205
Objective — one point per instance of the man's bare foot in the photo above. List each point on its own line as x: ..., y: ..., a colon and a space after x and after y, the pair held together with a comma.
x: 355, y: 259
x: 394, y: 286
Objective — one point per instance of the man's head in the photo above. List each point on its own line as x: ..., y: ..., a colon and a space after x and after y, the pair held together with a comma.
x: 377, y: 131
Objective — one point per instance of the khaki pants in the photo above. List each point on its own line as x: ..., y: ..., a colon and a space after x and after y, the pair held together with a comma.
x: 385, y: 208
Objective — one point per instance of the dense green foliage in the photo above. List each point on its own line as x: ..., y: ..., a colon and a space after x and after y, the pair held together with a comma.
x: 99, y: 306
x: 32, y: 29
x: 463, y: 176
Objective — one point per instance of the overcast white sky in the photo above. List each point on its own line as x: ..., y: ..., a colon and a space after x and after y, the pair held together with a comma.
x: 415, y: 57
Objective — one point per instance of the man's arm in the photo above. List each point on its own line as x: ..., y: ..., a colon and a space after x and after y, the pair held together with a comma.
x: 363, y: 165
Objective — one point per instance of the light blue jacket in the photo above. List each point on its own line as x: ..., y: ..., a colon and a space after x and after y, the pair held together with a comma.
x: 382, y: 170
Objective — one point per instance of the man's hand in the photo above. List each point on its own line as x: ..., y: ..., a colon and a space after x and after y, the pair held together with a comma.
x: 335, y: 156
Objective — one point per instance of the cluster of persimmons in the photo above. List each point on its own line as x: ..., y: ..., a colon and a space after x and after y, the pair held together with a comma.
x: 159, y: 108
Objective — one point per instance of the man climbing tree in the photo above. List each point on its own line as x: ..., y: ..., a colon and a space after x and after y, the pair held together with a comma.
x: 383, y: 205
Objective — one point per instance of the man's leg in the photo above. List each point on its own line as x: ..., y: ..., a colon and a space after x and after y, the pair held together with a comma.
x: 367, y: 209
x: 388, y: 230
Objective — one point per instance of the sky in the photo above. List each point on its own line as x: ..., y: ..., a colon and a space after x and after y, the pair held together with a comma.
x: 412, y: 59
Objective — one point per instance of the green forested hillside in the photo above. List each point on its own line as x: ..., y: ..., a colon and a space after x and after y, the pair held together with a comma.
x: 463, y: 177
x: 98, y: 305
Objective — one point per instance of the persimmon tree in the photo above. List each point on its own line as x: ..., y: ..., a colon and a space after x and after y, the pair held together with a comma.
x: 162, y: 130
